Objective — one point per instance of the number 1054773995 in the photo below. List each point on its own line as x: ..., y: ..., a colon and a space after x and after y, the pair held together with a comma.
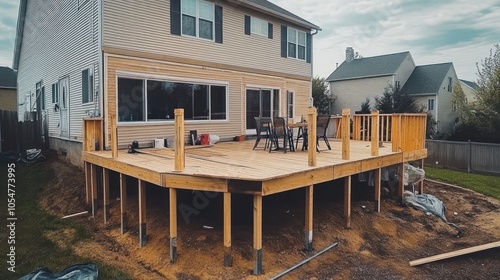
x: 11, y: 189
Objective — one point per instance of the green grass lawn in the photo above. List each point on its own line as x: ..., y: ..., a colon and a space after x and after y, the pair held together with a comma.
x: 32, y: 248
x: 488, y: 185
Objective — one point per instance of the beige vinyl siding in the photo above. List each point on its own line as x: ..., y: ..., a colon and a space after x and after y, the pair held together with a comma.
x: 405, y: 70
x: 446, y: 116
x: 469, y: 92
x: 351, y: 93
x: 60, y: 40
x: 8, y: 99
x: 145, y: 27
x: 237, y: 83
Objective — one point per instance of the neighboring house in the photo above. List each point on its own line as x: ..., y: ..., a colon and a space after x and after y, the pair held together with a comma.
x: 431, y: 85
x: 469, y: 88
x: 8, y: 89
x: 224, y: 62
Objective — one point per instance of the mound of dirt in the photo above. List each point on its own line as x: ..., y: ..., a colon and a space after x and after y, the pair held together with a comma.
x: 378, y: 245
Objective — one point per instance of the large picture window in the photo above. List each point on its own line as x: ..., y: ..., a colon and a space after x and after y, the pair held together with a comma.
x: 130, y: 100
x: 199, y: 101
x: 198, y: 18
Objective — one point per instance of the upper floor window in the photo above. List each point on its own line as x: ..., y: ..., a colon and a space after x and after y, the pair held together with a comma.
x: 55, y: 93
x: 295, y: 44
x: 259, y: 27
x: 450, y: 86
x: 87, y: 86
x: 198, y: 19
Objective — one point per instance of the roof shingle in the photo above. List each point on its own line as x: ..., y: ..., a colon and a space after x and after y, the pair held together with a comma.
x: 426, y: 78
x: 376, y: 66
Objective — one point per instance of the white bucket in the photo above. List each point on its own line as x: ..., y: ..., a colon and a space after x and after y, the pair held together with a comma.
x: 159, y: 143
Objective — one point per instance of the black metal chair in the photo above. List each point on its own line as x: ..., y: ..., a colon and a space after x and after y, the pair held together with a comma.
x: 280, y: 130
x: 321, y: 130
x: 263, y: 128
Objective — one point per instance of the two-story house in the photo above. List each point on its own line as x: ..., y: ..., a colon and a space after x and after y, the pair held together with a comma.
x: 431, y: 85
x: 224, y: 62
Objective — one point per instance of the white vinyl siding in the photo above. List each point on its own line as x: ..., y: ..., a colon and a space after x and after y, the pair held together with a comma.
x: 146, y: 28
x: 60, y: 39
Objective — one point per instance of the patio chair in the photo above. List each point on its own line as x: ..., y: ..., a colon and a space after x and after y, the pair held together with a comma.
x: 263, y: 128
x: 280, y: 130
x: 321, y: 129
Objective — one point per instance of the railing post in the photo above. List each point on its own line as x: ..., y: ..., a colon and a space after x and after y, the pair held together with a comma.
x: 375, y: 133
x: 180, y: 157
x: 311, y: 135
x: 396, y: 133
x: 114, y: 140
x: 346, y: 134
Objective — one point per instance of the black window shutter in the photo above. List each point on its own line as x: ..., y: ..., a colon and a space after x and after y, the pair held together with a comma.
x: 308, y: 47
x: 270, y: 30
x: 247, y: 25
x: 175, y: 17
x: 284, y: 41
x: 218, y: 24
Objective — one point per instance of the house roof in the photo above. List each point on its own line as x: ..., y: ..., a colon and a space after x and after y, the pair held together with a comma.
x: 426, y: 78
x: 8, y: 78
x: 260, y: 5
x: 376, y: 66
x: 470, y: 84
x: 275, y: 10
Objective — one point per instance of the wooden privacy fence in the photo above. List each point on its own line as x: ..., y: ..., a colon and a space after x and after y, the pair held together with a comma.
x: 20, y: 136
x: 405, y: 131
x: 470, y: 156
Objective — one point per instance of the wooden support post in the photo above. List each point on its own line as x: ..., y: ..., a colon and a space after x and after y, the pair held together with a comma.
x: 173, y: 224
x: 401, y: 183
x: 114, y: 137
x: 347, y: 201
x: 88, y: 183
x: 105, y: 194
x: 311, y: 135
x: 180, y: 156
x: 93, y: 174
x: 308, y: 229
x: 375, y: 133
x: 257, y: 232
x: 346, y: 134
x: 143, y: 238
x: 421, y: 184
x: 123, y: 203
x: 228, y: 258
x: 378, y: 172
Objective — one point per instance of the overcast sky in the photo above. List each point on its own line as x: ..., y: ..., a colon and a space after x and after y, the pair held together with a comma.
x: 459, y: 31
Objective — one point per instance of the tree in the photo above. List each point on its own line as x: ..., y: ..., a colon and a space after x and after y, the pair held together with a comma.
x: 366, y: 107
x: 393, y: 101
x: 322, y: 100
x: 480, y: 121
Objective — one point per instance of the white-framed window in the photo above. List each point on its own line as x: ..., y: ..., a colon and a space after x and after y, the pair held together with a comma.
x: 152, y: 100
x: 296, y: 44
x: 87, y: 86
x: 198, y: 18
x: 55, y: 93
x: 290, y: 107
x: 259, y: 26
x: 430, y: 104
x: 450, y: 84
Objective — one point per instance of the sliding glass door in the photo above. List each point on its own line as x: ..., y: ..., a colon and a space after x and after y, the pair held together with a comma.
x: 260, y: 103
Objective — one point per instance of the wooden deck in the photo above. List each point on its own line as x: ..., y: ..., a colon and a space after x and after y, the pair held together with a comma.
x: 234, y: 167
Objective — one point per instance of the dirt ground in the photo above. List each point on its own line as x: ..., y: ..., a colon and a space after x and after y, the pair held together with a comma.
x: 378, y: 245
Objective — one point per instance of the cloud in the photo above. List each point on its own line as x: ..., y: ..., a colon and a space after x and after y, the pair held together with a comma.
x: 8, y: 22
x: 460, y: 31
